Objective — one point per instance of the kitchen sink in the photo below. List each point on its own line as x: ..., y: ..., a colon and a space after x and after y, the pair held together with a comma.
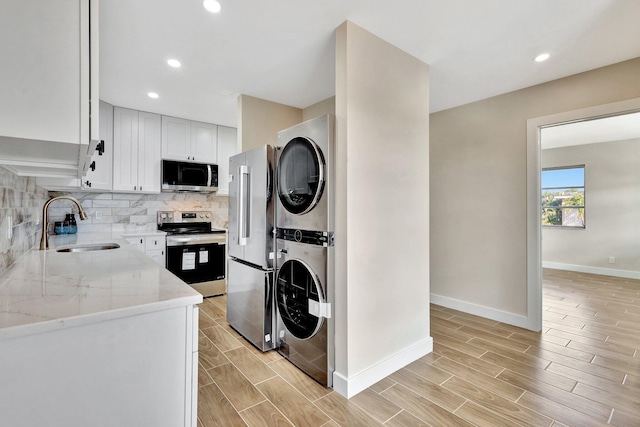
x: 88, y: 247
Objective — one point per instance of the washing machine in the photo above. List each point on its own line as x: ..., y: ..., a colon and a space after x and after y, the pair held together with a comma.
x: 305, y: 175
x: 304, y: 295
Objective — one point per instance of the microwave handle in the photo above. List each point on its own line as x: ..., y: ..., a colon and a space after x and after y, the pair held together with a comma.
x: 243, y: 205
x: 209, y: 183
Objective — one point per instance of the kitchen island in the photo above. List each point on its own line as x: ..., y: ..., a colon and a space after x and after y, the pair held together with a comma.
x: 97, y: 338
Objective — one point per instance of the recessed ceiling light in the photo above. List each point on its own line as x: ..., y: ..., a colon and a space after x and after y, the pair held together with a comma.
x: 542, y: 57
x: 174, y: 63
x: 212, y: 6
x: 153, y: 95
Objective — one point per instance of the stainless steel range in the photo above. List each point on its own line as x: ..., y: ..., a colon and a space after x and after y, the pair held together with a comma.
x: 195, y: 250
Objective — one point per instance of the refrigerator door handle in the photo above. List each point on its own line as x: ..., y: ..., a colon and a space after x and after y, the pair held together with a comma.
x: 243, y: 205
x: 267, y: 286
x: 267, y: 309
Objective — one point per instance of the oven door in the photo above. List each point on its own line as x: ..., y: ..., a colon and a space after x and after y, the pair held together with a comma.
x: 199, y: 262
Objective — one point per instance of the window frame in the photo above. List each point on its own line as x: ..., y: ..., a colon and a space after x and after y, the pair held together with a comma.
x: 584, y: 195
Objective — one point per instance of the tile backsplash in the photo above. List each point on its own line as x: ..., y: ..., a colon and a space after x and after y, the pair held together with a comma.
x: 124, y: 212
x: 21, y: 202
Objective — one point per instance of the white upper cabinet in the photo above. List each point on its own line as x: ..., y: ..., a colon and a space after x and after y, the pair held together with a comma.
x: 187, y: 140
x: 136, y: 153
x: 99, y: 174
x: 204, y: 142
x: 227, y: 147
x: 125, y: 147
x: 176, y: 138
x: 49, y: 86
x: 149, y: 137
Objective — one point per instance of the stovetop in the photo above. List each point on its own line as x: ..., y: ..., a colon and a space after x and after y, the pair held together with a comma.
x: 192, y: 222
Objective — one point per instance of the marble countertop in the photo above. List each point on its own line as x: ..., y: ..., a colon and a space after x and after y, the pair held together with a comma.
x: 48, y: 290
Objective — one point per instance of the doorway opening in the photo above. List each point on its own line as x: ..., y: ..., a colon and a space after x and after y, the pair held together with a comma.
x: 536, y: 128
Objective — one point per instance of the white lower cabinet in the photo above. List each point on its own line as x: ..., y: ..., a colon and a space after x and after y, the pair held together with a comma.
x: 195, y: 354
x: 152, y: 246
x: 136, y: 142
x: 137, y: 370
x: 137, y: 241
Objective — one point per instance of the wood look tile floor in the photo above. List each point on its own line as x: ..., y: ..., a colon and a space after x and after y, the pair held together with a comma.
x: 583, y: 369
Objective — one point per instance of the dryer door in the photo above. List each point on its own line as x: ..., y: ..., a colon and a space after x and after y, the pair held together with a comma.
x: 301, y: 172
x: 297, y: 288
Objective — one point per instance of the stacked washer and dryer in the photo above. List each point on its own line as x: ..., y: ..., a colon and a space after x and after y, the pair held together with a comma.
x: 287, y: 305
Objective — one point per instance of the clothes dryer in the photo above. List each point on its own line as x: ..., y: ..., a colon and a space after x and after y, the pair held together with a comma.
x: 305, y: 175
x: 303, y: 299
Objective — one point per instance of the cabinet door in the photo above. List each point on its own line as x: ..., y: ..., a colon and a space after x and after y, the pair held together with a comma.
x: 101, y: 177
x: 204, y: 137
x: 176, y: 138
x: 157, y: 256
x: 47, y: 86
x: 41, y: 70
x: 154, y: 243
x: 137, y: 241
x: 125, y: 149
x: 227, y: 147
x: 149, y: 152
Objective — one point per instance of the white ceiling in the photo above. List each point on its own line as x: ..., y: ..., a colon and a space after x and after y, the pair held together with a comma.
x: 283, y: 50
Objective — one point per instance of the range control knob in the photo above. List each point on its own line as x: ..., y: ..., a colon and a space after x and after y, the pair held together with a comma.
x: 208, y: 215
x: 201, y: 215
x: 163, y: 216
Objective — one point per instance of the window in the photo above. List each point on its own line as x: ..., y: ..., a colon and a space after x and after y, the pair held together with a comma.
x: 563, y: 197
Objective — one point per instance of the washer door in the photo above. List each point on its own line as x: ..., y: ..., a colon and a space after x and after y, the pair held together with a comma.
x: 300, y: 175
x: 296, y: 285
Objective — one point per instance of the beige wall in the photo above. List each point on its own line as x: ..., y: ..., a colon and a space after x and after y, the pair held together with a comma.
x: 328, y: 106
x: 259, y: 121
x: 612, y: 189
x: 479, y: 188
x: 382, y: 209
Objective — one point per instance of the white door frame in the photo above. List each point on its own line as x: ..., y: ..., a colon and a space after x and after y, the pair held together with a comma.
x: 534, y: 230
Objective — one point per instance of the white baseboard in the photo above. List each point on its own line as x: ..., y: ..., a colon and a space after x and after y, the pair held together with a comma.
x: 349, y: 387
x: 482, y: 311
x: 627, y: 274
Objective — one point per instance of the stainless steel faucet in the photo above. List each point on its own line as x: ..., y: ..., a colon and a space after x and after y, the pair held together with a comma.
x: 44, y: 240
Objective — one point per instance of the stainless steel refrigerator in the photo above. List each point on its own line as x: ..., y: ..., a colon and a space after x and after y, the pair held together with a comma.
x: 251, y: 247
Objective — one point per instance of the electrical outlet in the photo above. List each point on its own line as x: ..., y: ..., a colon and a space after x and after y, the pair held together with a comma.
x: 98, y: 214
x: 612, y: 260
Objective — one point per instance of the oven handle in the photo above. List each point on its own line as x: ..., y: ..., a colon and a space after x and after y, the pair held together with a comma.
x: 243, y: 206
x: 186, y: 241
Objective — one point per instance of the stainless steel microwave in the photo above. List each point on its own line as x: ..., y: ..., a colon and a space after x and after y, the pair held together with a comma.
x: 189, y: 176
